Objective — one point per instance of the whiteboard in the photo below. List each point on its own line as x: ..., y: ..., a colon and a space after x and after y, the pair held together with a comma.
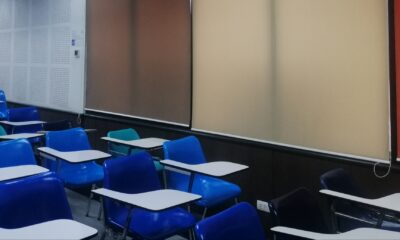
x: 42, y: 52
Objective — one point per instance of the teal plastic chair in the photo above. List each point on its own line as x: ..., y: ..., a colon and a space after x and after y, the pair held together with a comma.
x: 118, y: 150
x: 2, y: 131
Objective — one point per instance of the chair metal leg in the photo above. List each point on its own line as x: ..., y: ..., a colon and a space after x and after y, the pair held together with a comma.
x: 100, y: 209
x: 127, y: 223
x: 191, y: 234
x: 90, y: 200
x: 204, y: 213
x: 236, y: 200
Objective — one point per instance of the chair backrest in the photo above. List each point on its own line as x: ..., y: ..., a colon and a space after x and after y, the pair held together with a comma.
x: 57, y: 126
x: 186, y: 150
x: 123, y: 134
x: 129, y: 174
x: 24, y: 114
x: 339, y: 180
x: 16, y: 152
x: 235, y: 223
x: 32, y: 200
x: 3, y: 106
x: 298, y: 209
x: 73, y: 139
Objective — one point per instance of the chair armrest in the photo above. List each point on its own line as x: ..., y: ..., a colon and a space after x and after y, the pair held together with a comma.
x: 153, y: 201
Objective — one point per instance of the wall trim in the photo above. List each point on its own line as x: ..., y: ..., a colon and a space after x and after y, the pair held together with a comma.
x: 297, y: 147
x: 136, y: 117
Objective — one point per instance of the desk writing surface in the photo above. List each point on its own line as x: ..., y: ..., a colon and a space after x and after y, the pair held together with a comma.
x: 21, y: 123
x: 153, y: 201
x: 390, y: 202
x: 144, y: 143
x: 214, y: 169
x: 9, y: 173
x: 74, y: 156
x: 356, y: 234
x: 21, y: 135
x: 61, y: 229
x: 88, y: 130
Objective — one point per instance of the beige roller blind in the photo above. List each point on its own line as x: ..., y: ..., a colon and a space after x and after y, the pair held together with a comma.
x: 232, y: 67
x: 139, y: 58
x: 308, y: 73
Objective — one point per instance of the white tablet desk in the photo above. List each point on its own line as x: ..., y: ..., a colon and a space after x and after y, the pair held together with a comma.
x: 388, y: 203
x: 154, y: 201
x: 62, y: 229
x: 73, y: 156
x: 19, y: 124
x: 213, y: 169
x: 148, y: 144
x: 21, y: 135
x: 87, y: 130
x: 356, y: 234
x: 10, y: 173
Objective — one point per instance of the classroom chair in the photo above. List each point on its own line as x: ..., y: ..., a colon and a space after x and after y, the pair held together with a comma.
x: 16, y: 114
x: 74, y: 175
x: 16, y: 152
x: 297, y: 209
x: 3, y: 106
x: 214, y: 191
x: 137, y: 174
x: 127, y: 134
x: 22, y: 114
x: 348, y: 215
x: 238, y: 222
x: 32, y: 200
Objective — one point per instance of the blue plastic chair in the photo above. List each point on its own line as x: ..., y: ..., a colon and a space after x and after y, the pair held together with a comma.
x: 16, y: 152
x: 351, y: 216
x: 32, y: 200
x: 214, y: 191
x: 235, y: 223
x: 3, y: 106
x: 22, y: 114
x: 137, y: 174
x: 297, y: 209
x: 74, y: 175
x: 127, y: 134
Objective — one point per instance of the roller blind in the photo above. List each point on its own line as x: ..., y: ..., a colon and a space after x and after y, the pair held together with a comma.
x: 306, y: 73
x: 139, y: 58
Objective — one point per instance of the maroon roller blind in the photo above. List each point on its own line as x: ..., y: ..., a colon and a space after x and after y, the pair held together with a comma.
x: 139, y: 58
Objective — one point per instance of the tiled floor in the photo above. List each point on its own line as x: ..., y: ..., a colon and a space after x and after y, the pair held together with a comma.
x: 78, y: 205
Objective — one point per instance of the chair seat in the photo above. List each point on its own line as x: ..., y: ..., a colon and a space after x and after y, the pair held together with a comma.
x: 155, y: 225
x: 213, y: 190
x: 79, y: 175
